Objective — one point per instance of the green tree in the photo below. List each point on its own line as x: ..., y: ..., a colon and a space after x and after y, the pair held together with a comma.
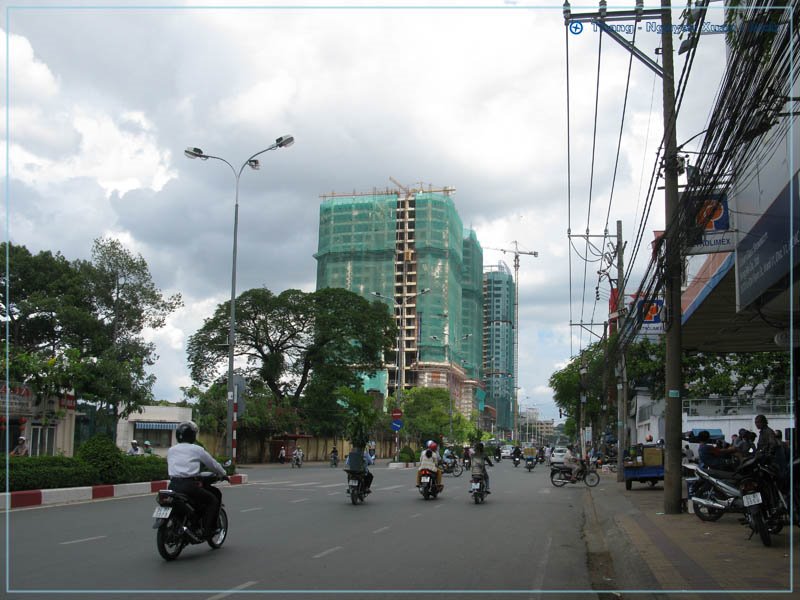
x: 332, y: 335
x: 361, y: 416
x: 426, y: 413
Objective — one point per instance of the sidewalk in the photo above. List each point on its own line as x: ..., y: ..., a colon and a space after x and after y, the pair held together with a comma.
x: 680, y: 554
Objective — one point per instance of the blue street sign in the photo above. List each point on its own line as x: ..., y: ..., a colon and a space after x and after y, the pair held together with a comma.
x: 397, y: 425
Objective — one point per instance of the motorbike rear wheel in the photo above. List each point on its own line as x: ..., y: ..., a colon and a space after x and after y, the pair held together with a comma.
x: 557, y: 479
x: 353, y: 496
x: 705, y: 513
x: 169, y: 539
x: 222, y: 526
x: 457, y: 470
x: 591, y: 478
x: 760, y: 527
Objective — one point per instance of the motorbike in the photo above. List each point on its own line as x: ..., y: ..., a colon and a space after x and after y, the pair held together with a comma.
x: 467, y: 463
x: 427, y: 484
x: 297, y: 462
x: 530, y: 463
x: 453, y: 468
x: 560, y: 475
x: 477, y: 488
x: 516, y: 461
x: 179, y: 522
x: 356, y: 486
x: 752, y: 489
x: 334, y: 461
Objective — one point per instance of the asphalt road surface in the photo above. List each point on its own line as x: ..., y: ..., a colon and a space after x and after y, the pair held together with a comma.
x: 294, y: 533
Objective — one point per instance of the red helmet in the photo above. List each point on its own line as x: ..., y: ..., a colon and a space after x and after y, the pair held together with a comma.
x: 433, y: 446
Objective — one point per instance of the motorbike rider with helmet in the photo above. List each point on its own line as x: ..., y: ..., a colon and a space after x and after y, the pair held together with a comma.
x: 185, y: 460
x: 433, y: 447
x: 479, y: 462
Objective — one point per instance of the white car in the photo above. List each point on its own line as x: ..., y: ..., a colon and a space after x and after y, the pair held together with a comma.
x: 505, y: 451
x: 558, y: 455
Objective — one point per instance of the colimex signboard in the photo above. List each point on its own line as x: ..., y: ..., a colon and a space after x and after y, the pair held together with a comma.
x: 717, y: 232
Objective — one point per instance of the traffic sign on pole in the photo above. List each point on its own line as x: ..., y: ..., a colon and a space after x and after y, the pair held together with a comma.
x: 397, y: 425
x: 397, y: 414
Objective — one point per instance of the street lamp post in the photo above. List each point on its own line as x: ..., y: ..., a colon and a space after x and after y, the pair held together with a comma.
x: 282, y: 142
x: 449, y: 391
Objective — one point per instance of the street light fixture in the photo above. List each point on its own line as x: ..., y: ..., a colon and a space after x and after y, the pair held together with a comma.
x: 282, y: 142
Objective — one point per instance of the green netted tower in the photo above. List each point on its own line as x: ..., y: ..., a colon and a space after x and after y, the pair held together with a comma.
x: 408, y: 248
x: 498, y: 342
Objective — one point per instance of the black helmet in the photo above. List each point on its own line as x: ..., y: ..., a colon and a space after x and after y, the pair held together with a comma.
x: 187, y: 432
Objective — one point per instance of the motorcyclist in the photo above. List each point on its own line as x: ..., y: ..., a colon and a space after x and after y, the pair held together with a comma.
x: 479, y: 462
x: 433, y: 447
x: 448, y: 457
x: 185, y: 460
x: 429, y: 463
x: 297, y: 455
x: 335, y: 456
x: 517, y: 453
x: 367, y: 460
x: 497, y: 455
x: 571, y: 461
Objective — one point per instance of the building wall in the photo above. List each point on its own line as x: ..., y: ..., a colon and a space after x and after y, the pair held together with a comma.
x: 161, y: 439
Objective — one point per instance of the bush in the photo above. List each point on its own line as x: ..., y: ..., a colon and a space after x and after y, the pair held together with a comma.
x: 46, y: 472
x: 102, y: 454
x: 143, y: 468
x: 407, y: 455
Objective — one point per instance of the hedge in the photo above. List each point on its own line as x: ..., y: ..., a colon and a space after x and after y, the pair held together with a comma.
x: 47, y: 472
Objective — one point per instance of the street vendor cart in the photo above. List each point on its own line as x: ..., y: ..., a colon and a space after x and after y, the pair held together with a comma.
x: 645, y: 464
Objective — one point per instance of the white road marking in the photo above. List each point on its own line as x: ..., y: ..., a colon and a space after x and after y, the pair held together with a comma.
x: 274, y: 482
x: 232, y: 590
x: 252, y: 509
x: 328, y: 551
x: 299, y: 500
x: 90, y: 539
x: 334, y: 493
x: 545, y: 491
x: 415, y: 515
x: 391, y: 487
x: 330, y: 485
x: 306, y: 483
x: 381, y: 529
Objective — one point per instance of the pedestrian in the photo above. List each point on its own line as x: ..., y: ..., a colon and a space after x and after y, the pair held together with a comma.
x: 547, y: 453
x: 21, y: 449
x: 148, y: 449
x: 688, y: 454
x: 282, y: 455
x: 134, y: 450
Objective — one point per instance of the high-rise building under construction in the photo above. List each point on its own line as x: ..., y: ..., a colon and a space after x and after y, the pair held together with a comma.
x: 498, y: 342
x: 408, y: 247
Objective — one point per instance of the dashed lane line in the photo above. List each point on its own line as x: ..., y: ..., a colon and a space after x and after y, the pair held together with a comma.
x: 252, y: 509
x: 232, y: 591
x: 330, y: 485
x: 415, y: 515
x: 89, y: 539
x: 272, y: 482
x: 328, y: 551
x: 380, y: 530
x: 391, y: 487
x: 306, y: 483
x: 298, y: 500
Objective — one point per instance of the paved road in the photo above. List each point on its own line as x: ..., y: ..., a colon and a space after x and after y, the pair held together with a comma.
x: 296, y: 530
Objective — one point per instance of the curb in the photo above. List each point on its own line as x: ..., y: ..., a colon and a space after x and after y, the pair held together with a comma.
x: 402, y: 465
x: 28, y: 498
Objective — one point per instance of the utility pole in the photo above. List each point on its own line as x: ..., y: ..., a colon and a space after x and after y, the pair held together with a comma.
x: 672, y: 293
x: 622, y: 389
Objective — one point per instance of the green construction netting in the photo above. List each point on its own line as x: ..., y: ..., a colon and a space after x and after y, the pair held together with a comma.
x: 471, y: 350
x: 498, y: 290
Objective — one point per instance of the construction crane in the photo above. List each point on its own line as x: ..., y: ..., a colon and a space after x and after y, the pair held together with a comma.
x: 516, y: 251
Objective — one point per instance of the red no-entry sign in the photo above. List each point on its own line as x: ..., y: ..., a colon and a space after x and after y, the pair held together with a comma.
x: 397, y: 414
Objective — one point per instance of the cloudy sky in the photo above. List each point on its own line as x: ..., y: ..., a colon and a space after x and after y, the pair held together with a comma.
x: 102, y: 101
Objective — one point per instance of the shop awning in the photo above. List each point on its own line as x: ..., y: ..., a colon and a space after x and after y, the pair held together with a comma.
x: 154, y: 425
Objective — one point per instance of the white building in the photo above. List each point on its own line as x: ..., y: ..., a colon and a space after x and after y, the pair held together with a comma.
x: 156, y: 424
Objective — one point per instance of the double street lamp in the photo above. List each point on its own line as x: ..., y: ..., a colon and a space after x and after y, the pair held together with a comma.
x: 282, y: 142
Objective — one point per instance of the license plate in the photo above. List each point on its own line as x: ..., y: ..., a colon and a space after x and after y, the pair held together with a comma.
x: 752, y: 499
x: 476, y: 486
x: 162, y: 512
x: 425, y: 479
x: 353, y: 483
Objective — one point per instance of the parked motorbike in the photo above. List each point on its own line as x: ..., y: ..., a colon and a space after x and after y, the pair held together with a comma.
x: 427, y: 484
x: 356, y: 485
x: 453, y: 468
x: 560, y: 475
x: 477, y: 488
x: 530, y: 463
x: 713, y: 492
x: 179, y: 522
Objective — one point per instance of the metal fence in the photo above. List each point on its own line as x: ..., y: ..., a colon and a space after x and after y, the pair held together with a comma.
x: 767, y: 405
